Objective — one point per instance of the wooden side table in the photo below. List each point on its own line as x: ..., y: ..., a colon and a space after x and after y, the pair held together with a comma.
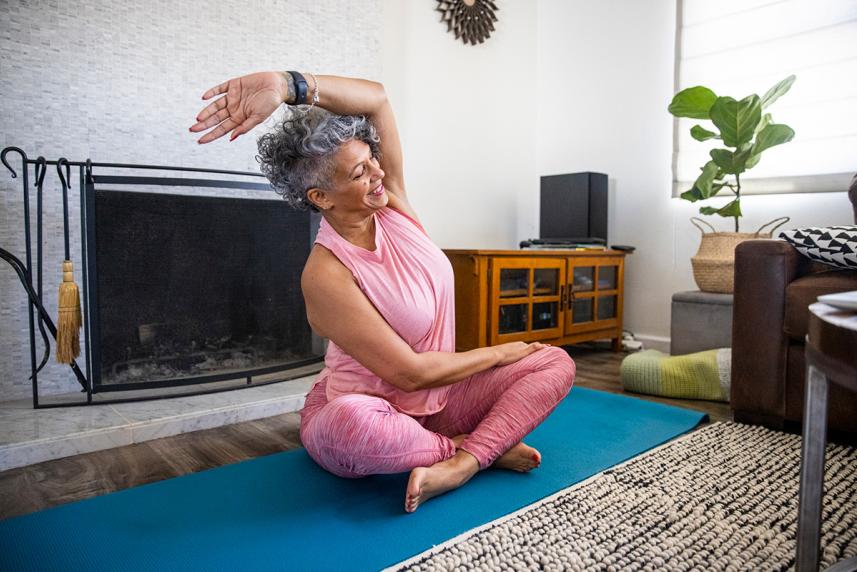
x: 831, y: 356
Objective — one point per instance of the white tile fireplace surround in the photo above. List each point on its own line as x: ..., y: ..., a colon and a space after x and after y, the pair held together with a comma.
x: 29, y: 436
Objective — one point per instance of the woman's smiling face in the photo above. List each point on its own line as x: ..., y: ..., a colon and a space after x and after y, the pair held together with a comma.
x: 356, y: 180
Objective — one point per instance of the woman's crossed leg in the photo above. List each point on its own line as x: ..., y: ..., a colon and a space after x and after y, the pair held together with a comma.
x: 495, y: 408
x: 357, y: 435
x: 487, y: 415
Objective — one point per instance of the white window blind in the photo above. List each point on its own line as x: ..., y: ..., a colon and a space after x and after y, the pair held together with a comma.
x: 740, y: 47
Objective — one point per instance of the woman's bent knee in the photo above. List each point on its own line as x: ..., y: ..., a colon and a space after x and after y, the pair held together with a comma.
x: 358, y: 435
x: 337, y: 434
x: 562, y: 365
x: 346, y: 418
x: 559, y: 358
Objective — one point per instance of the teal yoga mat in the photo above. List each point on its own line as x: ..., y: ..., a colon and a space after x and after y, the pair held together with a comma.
x: 283, y: 512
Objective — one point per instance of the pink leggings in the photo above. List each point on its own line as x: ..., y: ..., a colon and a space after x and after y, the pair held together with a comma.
x: 356, y: 435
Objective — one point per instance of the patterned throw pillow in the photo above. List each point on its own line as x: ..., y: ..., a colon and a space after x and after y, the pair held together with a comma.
x: 834, y: 245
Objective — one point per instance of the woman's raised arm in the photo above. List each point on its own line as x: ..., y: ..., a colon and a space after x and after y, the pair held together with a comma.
x: 351, y: 96
x: 249, y: 100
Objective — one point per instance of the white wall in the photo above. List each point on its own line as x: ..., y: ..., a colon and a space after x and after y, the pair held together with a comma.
x: 605, y: 78
x: 466, y: 115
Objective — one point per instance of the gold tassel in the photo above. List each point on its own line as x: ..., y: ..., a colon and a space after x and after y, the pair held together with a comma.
x: 70, y: 317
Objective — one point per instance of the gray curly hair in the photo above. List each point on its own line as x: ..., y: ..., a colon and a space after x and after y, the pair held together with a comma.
x: 298, y: 154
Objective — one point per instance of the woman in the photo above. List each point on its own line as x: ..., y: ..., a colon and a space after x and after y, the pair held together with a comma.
x: 394, y: 395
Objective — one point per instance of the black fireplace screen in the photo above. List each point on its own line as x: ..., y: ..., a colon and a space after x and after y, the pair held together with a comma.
x: 189, y: 288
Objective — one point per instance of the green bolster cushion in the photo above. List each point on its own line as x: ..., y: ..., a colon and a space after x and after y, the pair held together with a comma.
x: 700, y: 375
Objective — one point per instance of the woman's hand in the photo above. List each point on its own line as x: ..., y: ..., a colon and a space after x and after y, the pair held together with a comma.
x: 513, y: 351
x: 249, y: 101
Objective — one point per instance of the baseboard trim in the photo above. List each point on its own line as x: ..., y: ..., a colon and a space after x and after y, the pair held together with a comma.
x: 659, y: 343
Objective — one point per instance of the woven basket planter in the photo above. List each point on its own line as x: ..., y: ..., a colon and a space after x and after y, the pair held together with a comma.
x: 714, y: 263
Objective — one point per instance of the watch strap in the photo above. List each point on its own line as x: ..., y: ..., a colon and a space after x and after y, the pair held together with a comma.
x: 300, y: 87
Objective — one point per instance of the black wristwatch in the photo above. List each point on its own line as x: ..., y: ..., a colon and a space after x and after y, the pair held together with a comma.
x: 300, y: 87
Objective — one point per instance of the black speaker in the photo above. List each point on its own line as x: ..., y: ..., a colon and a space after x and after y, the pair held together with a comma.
x: 574, y: 206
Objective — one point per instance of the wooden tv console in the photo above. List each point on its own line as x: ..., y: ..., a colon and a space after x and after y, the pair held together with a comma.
x: 556, y: 296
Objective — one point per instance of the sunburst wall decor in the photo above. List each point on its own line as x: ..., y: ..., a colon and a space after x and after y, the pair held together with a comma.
x: 470, y: 20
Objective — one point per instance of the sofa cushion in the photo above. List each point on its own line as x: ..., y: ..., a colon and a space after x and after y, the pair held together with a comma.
x: 803, y: 291
x: 833, y: 245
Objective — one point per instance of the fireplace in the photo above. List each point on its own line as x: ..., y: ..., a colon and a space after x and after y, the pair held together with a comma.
x: 186, y: 289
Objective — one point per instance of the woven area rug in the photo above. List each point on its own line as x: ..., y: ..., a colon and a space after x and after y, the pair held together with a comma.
x: 723, y: 497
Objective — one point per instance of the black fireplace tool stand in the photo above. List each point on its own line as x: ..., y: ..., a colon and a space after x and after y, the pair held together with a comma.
x: 39, y: 316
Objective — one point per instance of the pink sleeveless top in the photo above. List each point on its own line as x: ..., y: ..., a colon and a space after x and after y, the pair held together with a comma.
x: 410, y: 282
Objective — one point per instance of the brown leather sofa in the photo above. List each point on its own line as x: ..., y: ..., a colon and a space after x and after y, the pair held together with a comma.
x: 774, y: 285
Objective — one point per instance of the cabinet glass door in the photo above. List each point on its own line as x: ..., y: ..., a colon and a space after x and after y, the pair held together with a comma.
x: 525, y: 299
x: 581, y: 311
x: 548, y: 276
x: 513, y: 319
x: 593, y: 302
x: 584, y: 278
x: 545, y: 315
x: 607, y: 307
x: 607, y: 294
x: 607, y: 277
x: 545, y: 281
x: 514, y: 282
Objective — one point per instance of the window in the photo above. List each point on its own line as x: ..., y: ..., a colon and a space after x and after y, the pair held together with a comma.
x: 739, y: 47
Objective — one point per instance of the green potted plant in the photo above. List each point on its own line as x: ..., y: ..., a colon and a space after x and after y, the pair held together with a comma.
x: 745, y: 130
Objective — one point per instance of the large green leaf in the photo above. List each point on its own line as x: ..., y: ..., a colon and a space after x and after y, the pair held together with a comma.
x: 701, y: 134
x: 778, y: 90
x: 732, y: 209
x: 766, y: 120
x: 692, y: 195
x: 736, y: 119
x: 703, y: 187
x: 771, y: 135
x: 703, y: 182
x: 732, y: 163
x: 692, y: 102
x: 744, y: 153
x: 752, y: 161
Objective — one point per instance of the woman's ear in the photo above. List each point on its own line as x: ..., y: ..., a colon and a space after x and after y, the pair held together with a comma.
x: 319, y: 198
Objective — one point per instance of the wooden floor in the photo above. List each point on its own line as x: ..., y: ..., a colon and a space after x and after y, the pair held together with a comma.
x: 33, y: 488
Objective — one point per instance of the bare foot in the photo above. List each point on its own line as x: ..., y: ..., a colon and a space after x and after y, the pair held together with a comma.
x: 428, y: 482
x: 521, y: 458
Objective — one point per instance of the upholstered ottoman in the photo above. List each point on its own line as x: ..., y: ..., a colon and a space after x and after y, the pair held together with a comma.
x: 700, y: 321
